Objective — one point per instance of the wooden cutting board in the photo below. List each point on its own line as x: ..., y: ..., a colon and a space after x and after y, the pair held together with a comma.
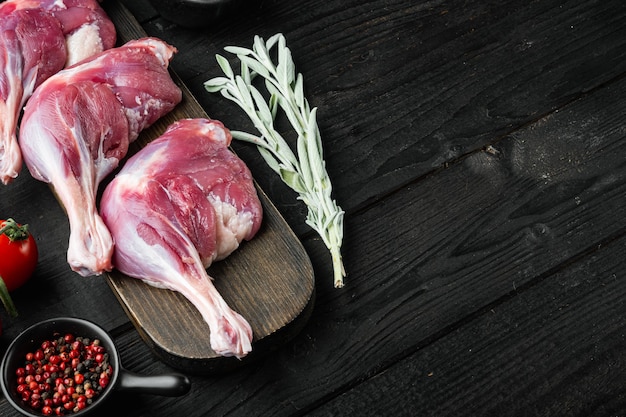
x: 268, y: 280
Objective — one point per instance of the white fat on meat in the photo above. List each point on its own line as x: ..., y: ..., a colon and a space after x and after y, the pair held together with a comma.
x: 232, y: 227
x: 83, y: 43
x: 179, y: 204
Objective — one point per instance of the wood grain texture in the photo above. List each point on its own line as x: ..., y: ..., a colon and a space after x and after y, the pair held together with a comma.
x: 478, y: 148
x: 404, y: 88
x: 469, y: 239
x: 498, y: 279
x: 530, y: 356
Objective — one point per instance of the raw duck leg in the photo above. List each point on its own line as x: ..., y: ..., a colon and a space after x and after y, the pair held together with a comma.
x: 37, y: 39
x: 77, y: 127
x: 180, y: 203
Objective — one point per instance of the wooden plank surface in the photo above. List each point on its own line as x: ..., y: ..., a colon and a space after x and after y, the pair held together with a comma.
x: 455, y: 77
x: 268, y: 280
x: 535, y: 269
x: 470, y: 239
x: 531, y: 356
x: 431, y: 248
x: 478, y: 149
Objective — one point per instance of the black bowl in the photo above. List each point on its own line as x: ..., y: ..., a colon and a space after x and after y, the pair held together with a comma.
x: 30, y: 339
x: 195, y: 14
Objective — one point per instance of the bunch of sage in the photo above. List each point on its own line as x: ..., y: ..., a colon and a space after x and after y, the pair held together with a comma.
x: 304, y: 172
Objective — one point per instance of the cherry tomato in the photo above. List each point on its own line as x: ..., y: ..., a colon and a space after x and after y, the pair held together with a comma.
x: 18, y: 259
x: 18, y: 254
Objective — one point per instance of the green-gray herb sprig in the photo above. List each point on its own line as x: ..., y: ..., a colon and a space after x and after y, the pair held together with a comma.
x: 305, y: 173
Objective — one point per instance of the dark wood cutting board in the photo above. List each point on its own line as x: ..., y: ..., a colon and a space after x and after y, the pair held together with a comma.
x: 269, y: 280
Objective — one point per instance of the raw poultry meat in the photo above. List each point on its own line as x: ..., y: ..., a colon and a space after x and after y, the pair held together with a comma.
x: 77, y: 127
x: 180, y: 203
x: 37, y: 39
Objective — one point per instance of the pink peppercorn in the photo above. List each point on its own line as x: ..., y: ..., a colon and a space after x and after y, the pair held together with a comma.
x: 59, y: 377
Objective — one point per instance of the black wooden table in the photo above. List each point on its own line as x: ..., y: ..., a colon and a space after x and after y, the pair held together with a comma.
x: 479, y: 151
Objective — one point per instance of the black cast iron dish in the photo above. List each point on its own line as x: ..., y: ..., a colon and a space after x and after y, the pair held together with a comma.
x: 171, y: 385
x: 195, y: 14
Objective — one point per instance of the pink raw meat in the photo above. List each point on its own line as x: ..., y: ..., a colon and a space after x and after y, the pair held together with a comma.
x: 77, y: 127
x: 37, y: 39
x: 182, y: 202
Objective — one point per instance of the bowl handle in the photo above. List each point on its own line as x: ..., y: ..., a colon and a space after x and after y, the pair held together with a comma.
x: 170, y: 385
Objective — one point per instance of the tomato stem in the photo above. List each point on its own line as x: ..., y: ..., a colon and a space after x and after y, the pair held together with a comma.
x: 14, y: 231
x: 6, y: 299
